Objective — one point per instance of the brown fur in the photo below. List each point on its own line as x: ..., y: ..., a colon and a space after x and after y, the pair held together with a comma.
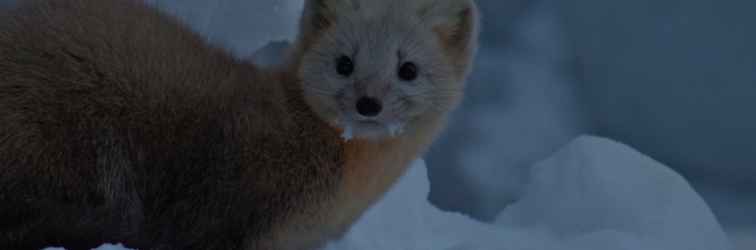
x: 117, y: 124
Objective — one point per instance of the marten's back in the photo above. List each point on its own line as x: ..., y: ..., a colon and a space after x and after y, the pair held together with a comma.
x: 118, y: 124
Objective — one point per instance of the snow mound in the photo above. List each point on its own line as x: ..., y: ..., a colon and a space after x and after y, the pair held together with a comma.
x: 103, y: 247
x: 112, y: 247
x: 593, y: 194
x: 404, y: 219
x: 596, y: 186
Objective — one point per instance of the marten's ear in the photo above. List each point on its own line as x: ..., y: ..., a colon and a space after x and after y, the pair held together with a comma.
x: 317, y: 16
x: 320, y: 14
x: 456, y: 23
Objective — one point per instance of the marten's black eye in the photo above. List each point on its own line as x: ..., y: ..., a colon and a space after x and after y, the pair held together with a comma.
x: 344, y: 66
x: 408, y: 71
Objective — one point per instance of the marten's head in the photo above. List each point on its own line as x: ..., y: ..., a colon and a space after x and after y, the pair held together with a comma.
x: 373, y: 67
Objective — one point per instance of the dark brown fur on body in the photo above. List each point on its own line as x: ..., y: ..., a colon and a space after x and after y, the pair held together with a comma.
x: 117, y: 124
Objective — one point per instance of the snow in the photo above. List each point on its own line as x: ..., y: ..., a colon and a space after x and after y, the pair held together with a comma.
x: 592, y: 194
x: 405, y: 220
x: 744, y: 239
x: 112, y: 247
x: 595, y: 184
x: 240, y: 26
x: 676, y: 80
x: 520, y: 107
x: 348, y: 133
x: 103, y: 247
x: 692, y: 62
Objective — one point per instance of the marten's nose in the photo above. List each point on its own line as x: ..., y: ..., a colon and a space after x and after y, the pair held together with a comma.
x: 369, y: 107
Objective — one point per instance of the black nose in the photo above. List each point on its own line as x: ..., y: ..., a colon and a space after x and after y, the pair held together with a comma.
x: 369, y: 107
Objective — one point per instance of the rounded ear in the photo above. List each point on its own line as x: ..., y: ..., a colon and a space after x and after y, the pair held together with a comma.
x: 456, y: 22
x: 316, y: 15
x: 319, y: 15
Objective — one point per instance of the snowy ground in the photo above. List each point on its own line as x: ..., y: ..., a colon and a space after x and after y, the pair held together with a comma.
x: 103, y: 247
x: 592, y: 194
x: 743, y: 239
x: 520, y: 108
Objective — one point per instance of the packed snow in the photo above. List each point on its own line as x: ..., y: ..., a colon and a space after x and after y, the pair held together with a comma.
x: 520, y: 98
x: 103, y: 247
x: 240, y: 26
x: 592, y: 194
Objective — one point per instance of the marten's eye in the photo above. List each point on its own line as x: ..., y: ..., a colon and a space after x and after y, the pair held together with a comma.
x: 344, y: 66
x: 408, y: 71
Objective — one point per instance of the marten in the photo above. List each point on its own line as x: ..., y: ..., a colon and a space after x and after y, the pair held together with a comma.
x: 118, y: 124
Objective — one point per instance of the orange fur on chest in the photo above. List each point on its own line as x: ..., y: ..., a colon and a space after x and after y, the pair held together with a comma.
x: 372, y: 167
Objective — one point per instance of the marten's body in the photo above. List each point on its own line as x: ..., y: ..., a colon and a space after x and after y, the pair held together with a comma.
x: 118, y: 124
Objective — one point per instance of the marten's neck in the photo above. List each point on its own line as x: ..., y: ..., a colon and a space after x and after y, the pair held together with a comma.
x: 373, y: 166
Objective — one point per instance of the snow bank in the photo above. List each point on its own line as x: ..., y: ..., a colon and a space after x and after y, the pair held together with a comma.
x: 112, y: 247
x: 521, y: 106
x: 673, y: 78
x: 592, y: 194
x: 743, y: 238
x: 103, y: 247
x: 240, y: 26
x: 405, y: 220
x: 597, y: 186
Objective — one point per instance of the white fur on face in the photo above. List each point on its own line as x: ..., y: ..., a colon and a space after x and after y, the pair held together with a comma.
x: 380, y: 36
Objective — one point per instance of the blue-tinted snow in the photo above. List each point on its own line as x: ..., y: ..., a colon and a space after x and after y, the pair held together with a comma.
x: 593, y: 194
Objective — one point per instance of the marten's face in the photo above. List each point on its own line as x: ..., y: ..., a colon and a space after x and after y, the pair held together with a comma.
x: 375, y: 74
